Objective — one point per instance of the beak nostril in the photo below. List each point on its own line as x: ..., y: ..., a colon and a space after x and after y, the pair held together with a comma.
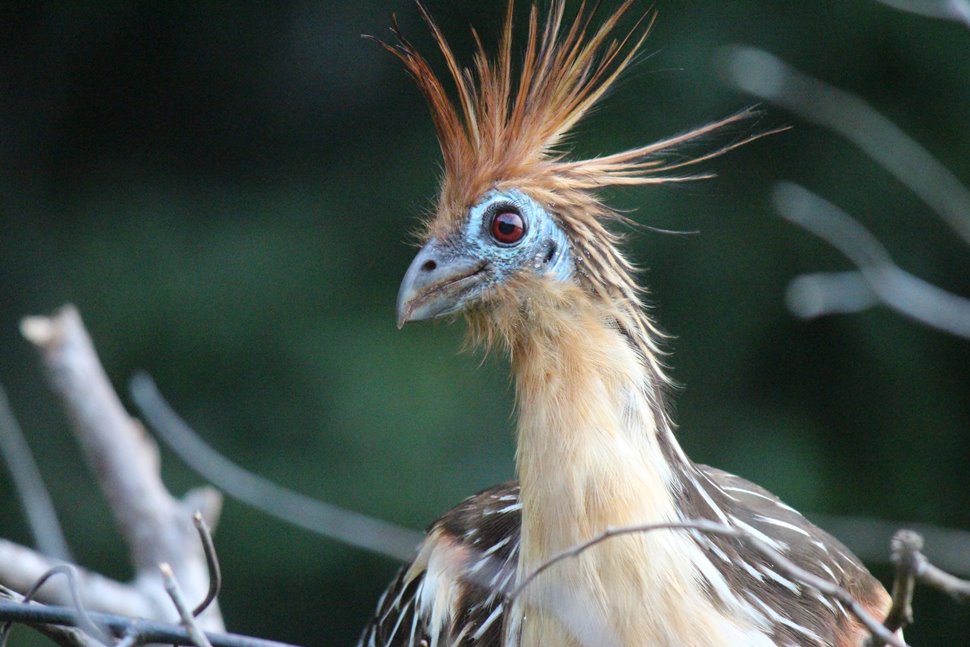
x: 429, y: 266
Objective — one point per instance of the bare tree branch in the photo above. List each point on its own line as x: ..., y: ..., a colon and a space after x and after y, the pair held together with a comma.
x: 351, y: 528
x: 894, y: 287
x: 125, y: 461
x: 20, y: 567
x: 212, y: 563
x: 904, y: 582
x: 63, y: 636
x: 867, y: 538
x: 912, y: 566
x: 147, y: 631
x: 83, y: 620
x: 759, y: 73
x: 35, y: 498
x: 956, y: 10
x: 188, y: 620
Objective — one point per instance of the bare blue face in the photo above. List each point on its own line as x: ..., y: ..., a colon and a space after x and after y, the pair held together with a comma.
x: 506, y: 233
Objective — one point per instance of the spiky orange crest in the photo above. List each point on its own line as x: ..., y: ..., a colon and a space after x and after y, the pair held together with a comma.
x: 506, y: 127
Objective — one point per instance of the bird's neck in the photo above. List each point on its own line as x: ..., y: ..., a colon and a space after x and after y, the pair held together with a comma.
x: 594, y: 445
x: 595, y: 451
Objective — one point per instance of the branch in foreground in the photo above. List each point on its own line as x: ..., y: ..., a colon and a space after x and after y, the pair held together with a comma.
x: 83, y: 620
x: 34, y: 497
x: 904, y: 582
x: 908, y: 555
x: 61, y: 635
x: 147, y: 631
x: 788, y: 567
x: 125, y: 462
x: 20, y: 567
x: 212, y: 563
x: 912, y: 566
x: 908, y: 295
x: 188, y: 619
x: 351, y: 528
x: 768, y: 77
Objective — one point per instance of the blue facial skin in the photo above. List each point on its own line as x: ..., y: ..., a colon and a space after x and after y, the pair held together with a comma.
x: 453, y: 273
x: 543, y: 249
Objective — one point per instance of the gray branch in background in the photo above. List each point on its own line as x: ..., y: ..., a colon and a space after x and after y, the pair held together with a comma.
x: 949, y: 548
x: 766, y: 76
x: 352, y: 528
x: 829, y: 293
x: 36, y: 500
x: 908, y: 295
x: 956, y: 10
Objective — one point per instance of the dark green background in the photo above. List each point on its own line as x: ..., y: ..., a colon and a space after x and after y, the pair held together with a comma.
x: 225, y: 191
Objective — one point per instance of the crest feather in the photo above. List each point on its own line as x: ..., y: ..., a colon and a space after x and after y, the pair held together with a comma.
x: 504, y: 130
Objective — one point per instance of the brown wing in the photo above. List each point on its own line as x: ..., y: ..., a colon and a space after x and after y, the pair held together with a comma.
x: 801, y: 615
x: 453, y: 593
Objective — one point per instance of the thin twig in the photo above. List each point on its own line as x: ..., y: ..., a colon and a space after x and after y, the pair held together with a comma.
x: 20, y: 567
x: 83, y: 621
x: 788, y: 567
x: 129, y: 639
x: 178, y: 599
x: 34, y: 496
x: 905, y: 545
x: 63, y: 636
x: 939, y: 579
x: 148, y: 631
x: 897, y: 289
x: 352, y: 528
x: 212, y: 562
x: 768, y: 77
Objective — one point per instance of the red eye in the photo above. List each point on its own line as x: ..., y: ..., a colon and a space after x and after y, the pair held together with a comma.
x: 508, y: 227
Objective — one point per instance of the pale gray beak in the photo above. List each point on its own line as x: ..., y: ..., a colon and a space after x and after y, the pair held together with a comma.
x: 437, y: 283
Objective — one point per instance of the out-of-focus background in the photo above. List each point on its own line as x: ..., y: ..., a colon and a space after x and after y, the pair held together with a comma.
x: 225, y: 190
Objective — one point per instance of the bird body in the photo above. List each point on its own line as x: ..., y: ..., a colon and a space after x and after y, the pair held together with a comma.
x: 520, y: 244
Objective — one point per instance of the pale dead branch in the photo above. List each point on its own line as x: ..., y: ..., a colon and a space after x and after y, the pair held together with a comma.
x: 156, y: 526
x: 185, y: 614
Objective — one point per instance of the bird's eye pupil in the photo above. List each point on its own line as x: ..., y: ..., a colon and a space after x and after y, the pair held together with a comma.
x: 508, y: 227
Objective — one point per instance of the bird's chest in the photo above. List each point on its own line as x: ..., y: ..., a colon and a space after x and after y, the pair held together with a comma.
x: 634, y: 589
x: 626, y: 591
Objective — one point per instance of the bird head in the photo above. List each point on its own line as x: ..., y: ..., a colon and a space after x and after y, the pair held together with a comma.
x: 515, y: 218
x: 505, y: 235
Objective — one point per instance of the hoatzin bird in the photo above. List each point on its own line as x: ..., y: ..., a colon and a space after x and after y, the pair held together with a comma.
x: 520, y: 243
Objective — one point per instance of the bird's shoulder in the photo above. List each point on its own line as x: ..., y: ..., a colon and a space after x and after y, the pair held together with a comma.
x: 761, y: 514
x: 453, y: 592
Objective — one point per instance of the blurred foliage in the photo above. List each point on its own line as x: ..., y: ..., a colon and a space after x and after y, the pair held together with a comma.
x: 225, y: 190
